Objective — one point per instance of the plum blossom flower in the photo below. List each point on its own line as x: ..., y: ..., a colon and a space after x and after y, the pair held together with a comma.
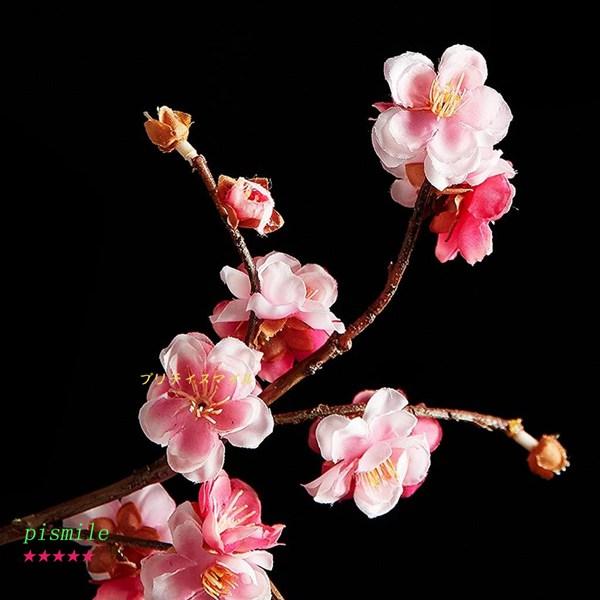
x: 171, y: 127
x: 230, y: 512
x: 379, y: 454
x: 463, y: 227
x: 192, y: 571
x: 143, y: 514
x: 293, y: 306
x: 249, y: 203
x: 431, y: 428
x: 207, y: 394
x: 449, y: 121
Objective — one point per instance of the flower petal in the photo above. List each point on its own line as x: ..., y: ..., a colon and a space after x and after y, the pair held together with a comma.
x: 155, y: 507
x: 259, y: 426
x: 192, y: 446
x: 233, y: 348
x: 237, y: 282
x: 211, y: 468
x: 409, y: 76
x: 334, y: 484
x: 321, y: 287
x: 431, y: 429
x: 338, y: 435
x: 373, y: 457
x: 460, y: 60
x: 383, y: 402
x: 404, y: 193
x: 490, y: 200
x: 163, y: 417
x: 158, y: 567
x: 485, y: 110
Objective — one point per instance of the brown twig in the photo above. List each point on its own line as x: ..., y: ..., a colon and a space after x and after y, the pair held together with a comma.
x: 201, y: 166
x: 338, y: 344
x: 156, y: 472
x: 276, y: 593
x: 128, y: 540
x: 489, y: 422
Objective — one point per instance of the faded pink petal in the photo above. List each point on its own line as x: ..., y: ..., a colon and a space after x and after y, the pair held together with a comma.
x: 162, y: 417
x: 431, y: 429
x: 155, y: 507
x: 273, y: 369
x: 209, y: 469
x: 484, y: 110
x: 383, y: 402
x: 332, y: 485
x: 191, y: 446
x: 409, y: 76
x: 321, y: 287
x: 237, y: 281
x: 168, y: 575
x: 258, y: 427
x: 403, y: 193
x: 460, y: 60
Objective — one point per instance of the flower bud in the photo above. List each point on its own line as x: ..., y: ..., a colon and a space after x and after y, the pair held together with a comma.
x: 171, y: 127
x: 548, y: 458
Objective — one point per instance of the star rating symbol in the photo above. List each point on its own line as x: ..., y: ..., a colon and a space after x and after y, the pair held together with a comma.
x: 88, y: 555
x: 73, y: 556
x: 43, y: 556
x: 29, y: 556
x: 58, y: 556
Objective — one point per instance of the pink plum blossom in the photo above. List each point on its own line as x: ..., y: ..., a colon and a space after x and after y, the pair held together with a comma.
x: 464, y: 226
x: 449, y: 121
x: 191, y: 571
x: 143, y: 514
x: 377, y: 455
x: 249, y: 203
x: 293, y: 306
x: 208, y: 393
x: 230, y: 512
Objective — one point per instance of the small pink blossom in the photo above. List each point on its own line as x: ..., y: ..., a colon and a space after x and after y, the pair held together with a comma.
x: 144, y: 514
x: 293, y: 306
x: 449, y: 121
x: 192, y: 571
x: 207, y: 394
x: 464, y: 226
x: 379, y: 454
x: 249, y: 203
x: 230, y: 512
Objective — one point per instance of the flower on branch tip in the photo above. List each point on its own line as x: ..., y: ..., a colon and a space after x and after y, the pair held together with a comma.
x: 142, y: 514
x: 171, y: 127
x: 548, y: 458
x: 449, y: 121
x: 463, y: 213
x: 208, y: 393
x: 230, y: 512
x: 191, y: 570
x: 249, y: 203
x: 378, y: 457
x: 293, y: 307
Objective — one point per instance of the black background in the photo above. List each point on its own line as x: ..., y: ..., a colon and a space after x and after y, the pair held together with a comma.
x: 118, y: 249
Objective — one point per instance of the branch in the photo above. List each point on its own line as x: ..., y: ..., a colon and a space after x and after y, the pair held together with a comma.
x: 154, y: 473
x: 127, y: 540
x: 338, y: 344
x: 276, y: 593
x: 201, y: 166
x: 488, y: 422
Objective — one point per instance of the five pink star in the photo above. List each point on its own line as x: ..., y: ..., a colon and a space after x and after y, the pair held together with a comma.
x: 88, y: 555
x: 29, y: 556
x: 43, y: 556
x: 73, y: 556
x: 58, y: 556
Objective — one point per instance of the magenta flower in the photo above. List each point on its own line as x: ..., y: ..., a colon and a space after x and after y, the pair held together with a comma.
x: 207, y: 393
x: 142, y: 514
x: 249, y: 203
x: 379, y: 454
x: 449, y: 121
x: 193, y: 572
x: 464, y: 226
x: 230, y: 512
x: 293, y: 305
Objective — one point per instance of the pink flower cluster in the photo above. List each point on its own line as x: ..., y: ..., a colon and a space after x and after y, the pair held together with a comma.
x: 219, y: 548
x: 293, y: 306
x: 443, y: 127
x: 212, y: 396
x: 377, y: 458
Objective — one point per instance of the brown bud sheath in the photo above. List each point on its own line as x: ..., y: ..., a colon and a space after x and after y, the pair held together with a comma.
x: 171, y: 127
x: 548, y: 458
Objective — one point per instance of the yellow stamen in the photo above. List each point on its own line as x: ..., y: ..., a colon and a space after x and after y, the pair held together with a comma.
x: 446, y: 100
x: 380, y: 474
x: 218, y: 581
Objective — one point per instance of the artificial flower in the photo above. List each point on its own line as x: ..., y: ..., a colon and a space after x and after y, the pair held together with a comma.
x: 171, y: 127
